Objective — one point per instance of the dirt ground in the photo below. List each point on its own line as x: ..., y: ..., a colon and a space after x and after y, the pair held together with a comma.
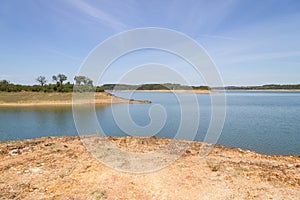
x: 62, y: 168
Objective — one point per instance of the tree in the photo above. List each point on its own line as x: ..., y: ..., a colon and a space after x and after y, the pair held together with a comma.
x: 87, y: 81
x: 82, y: 80
x: 54, y: 78
x: 83, y: 84
x: 41, y: 80
x: 4, y: 85
x: 61, y: 78
x: 4, y: 82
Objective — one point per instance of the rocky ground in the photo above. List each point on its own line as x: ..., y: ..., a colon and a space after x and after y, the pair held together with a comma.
x: 63, y: 168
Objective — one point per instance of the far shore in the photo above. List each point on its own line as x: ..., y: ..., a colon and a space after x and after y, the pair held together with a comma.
x: 208, y: 91
x: 267, y: 90
x: 24, y: 99
x: 162, y: 91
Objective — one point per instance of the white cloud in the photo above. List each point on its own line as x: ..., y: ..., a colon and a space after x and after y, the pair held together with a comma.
x: 216, y: 37
x: 98, y: 14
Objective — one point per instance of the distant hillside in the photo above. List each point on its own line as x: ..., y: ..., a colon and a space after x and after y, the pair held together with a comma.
x: 265, y: 87
x: 166, y: 86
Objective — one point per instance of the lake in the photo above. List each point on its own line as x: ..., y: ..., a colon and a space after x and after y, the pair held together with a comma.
x: 266, y: 122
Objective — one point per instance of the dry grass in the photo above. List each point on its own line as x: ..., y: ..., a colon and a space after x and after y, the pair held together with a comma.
x: 32, y: 97
x: 41, y: 98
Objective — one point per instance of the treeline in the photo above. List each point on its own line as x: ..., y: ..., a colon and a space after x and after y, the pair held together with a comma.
x: 166, y: 86
x: 82, y: 83
x: 265, y: 87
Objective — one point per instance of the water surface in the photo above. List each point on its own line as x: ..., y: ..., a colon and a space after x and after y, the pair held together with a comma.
x: 266, y: 122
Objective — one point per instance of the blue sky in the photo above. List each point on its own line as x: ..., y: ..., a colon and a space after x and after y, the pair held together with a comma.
x: 252, y: 42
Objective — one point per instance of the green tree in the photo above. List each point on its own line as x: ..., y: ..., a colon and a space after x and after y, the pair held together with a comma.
x: 4, y: 84
x: 54, y: 78
x: 79, y: 79
x: 84, y: 84
x: 61, y: 78
x: 41, y: 80
x: 83, y: 80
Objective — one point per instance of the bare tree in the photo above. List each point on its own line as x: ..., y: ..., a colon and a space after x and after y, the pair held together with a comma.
x: 41, y: 80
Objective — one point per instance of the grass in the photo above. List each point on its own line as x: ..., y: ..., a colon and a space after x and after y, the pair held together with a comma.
x: 99, y: 194
x: 214, y: 166
x: 31, y: 97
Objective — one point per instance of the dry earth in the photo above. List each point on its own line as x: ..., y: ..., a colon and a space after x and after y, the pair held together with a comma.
x: 62, y: 168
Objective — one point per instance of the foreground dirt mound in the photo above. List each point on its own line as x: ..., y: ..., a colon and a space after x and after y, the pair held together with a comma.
x: 62, y: 168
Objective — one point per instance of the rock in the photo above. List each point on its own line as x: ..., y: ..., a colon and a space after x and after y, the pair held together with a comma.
x: 290, y: 165
x: 35, y: 169
x: 188, y: 151
x: 14, y: 152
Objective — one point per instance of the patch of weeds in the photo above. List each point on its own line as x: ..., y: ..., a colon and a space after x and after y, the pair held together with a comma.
x: 7, y: 167
x: 38, y: 163
x: 214, y: 166
x: 241, y: 169
x: 181, y: 166
x: 99, y: 194
x: 53, y: 146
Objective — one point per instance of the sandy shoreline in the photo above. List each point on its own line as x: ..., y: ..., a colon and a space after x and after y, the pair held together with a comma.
x: 62, y: 168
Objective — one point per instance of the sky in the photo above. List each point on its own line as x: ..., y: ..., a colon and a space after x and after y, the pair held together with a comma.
x: 252, y: 42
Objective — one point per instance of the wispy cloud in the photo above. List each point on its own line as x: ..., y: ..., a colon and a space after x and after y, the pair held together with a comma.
x: 216, y: 37
x: 99, y: 14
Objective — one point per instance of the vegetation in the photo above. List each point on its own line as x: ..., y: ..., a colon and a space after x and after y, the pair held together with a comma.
x: 42, y: 80
x: 165, y: 86
x: 99, y: 194
x: 266, y: 87
x: 82, y: 84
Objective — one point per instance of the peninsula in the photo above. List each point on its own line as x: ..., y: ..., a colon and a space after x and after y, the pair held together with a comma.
x: 56, y: 99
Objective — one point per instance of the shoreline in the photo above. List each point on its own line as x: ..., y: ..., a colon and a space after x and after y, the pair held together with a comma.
x: 128, y: 138
x: 33, y: 168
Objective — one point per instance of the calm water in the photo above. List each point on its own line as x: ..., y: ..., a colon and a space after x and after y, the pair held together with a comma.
x: 266, y: 122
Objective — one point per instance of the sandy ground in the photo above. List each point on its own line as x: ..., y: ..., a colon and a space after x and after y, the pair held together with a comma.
x: 62, y: 168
